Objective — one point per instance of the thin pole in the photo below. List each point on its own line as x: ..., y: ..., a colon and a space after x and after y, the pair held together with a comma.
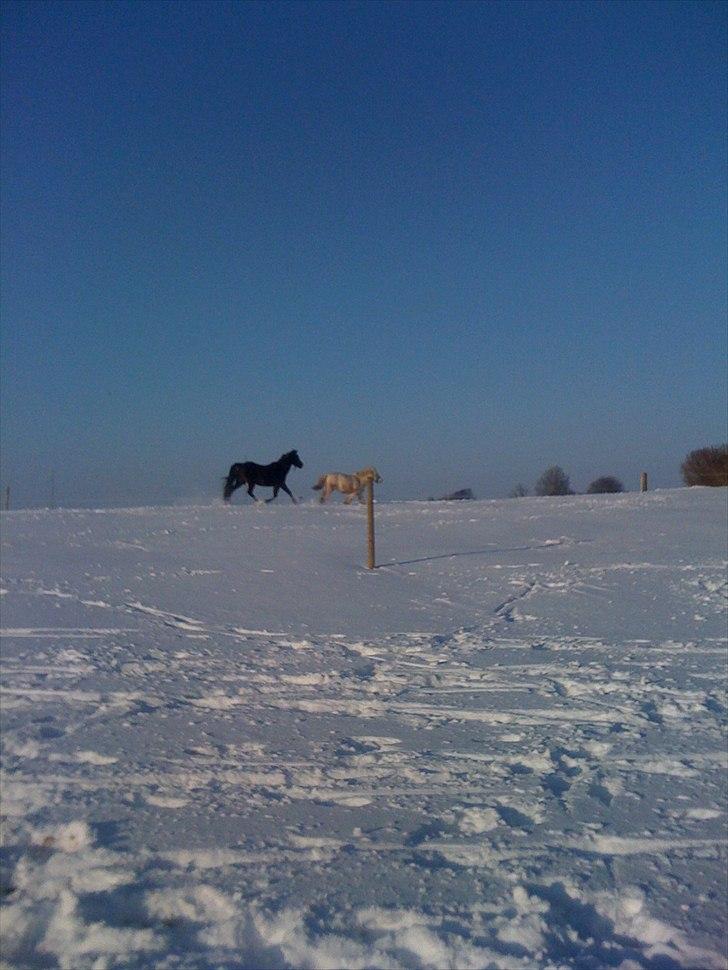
x: 370, y: 525
x: 7, y: 498
x: 643, y: 481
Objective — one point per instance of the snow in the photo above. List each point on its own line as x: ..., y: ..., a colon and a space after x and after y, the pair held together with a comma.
x: 226, y: 743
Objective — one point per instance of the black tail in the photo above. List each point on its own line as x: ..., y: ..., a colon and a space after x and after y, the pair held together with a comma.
x: 231, y: 483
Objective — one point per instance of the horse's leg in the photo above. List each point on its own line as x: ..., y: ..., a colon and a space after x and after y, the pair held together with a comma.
x: 275, y: 493
x: 325, y: 493
x: 250, y: 492
x: 349, y: 498
x: 287, y: 490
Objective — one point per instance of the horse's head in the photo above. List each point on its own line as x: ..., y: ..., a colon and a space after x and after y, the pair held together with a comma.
x: 295, y: 460
x: 369, y: 475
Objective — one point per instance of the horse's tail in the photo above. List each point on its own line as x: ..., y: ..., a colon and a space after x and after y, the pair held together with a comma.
x: 319, y: 484
x: 231, y: 483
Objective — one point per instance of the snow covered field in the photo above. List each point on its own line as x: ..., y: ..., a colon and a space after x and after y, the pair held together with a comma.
x: 226, y: 744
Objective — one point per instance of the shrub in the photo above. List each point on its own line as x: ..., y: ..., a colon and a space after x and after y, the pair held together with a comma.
x: 554, y: 481
x: 605, y: 484
x: 520, y: 491
x: 706, y: 466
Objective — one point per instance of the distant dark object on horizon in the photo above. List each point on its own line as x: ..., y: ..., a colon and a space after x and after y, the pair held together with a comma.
x: 607, y: 484
x: 706, y: 466
x: 464, y: 494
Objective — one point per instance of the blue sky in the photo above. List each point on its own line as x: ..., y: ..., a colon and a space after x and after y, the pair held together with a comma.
x: 460, y: 241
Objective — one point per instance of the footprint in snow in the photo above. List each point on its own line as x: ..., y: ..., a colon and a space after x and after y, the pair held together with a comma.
x: 204, y: 751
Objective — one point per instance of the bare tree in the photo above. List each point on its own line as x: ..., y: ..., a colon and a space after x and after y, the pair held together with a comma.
x: 520, y: 491
x: 554, y: 481
x: 706, y: 466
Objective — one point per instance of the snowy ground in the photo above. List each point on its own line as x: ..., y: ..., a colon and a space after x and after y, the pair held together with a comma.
x: 227, y: 744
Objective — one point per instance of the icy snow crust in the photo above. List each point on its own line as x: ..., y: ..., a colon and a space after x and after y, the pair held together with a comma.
x: 227, y: 744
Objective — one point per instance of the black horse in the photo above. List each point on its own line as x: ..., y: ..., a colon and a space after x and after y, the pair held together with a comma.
x: 250, y: 474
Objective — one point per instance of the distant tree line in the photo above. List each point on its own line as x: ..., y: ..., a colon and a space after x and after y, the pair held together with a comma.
x: 555, y: 481
x: 704, y: 466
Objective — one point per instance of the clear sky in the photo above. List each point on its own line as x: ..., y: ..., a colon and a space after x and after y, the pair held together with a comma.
x: 460, y: 241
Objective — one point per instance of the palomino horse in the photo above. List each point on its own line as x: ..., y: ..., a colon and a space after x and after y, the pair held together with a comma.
x: 250, y: 474
x: 351, y: 485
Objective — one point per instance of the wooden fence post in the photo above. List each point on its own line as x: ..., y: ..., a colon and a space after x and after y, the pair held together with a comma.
x: 370, y: 526
x: 643, y: 481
